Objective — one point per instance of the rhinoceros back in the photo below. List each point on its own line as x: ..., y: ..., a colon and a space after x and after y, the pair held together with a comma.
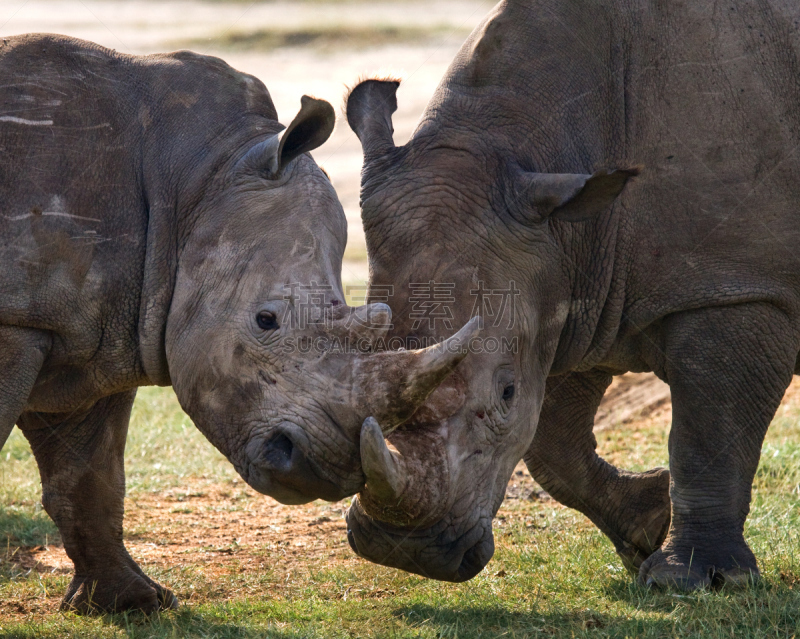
x: 702, y: 96
x: 90, y: 139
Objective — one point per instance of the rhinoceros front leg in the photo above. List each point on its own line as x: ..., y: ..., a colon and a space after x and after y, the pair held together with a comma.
x: 22, y: 353
x: 81, y: 463
x: 728, y: 369
x: 632, y: 509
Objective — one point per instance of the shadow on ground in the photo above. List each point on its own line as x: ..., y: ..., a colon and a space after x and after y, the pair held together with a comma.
x: 497, y: 621
x: 24, y: 527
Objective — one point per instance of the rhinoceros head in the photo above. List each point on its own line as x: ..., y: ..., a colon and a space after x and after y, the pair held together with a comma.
x: 458, y: 231
x: 264, y: 354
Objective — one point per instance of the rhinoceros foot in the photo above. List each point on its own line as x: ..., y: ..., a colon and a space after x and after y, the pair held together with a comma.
x: 645, y: 517
x: 718, y: 565
x: 126, y: 589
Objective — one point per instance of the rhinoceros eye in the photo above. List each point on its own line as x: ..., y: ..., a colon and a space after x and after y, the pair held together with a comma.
x: 267, y: 321
x: 504, y: 388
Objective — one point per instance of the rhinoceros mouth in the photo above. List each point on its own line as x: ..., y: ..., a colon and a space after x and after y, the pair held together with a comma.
x: 435, y: 552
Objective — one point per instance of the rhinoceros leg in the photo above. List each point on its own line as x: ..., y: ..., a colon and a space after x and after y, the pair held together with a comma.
x: 22, y: 353
x: 728, y: 369
x: 632, y: 509
x: 81, y: 464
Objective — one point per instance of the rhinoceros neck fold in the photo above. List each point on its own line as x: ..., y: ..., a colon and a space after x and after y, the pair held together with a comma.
x: 157, y: 287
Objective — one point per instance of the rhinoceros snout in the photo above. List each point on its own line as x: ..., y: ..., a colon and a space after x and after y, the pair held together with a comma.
x: 278, y: 453
x: 278, y: 467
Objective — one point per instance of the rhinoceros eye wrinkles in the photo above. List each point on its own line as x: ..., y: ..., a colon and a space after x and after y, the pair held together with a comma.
x: 267, y: 321
x: 504, y: 389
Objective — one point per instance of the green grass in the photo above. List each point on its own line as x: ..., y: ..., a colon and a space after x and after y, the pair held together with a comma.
x: 164, y: 446
x: 553, y: 575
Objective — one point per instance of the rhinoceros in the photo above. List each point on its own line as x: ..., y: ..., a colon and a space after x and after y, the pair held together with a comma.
x: 159, y: 226
x: 626, y: 177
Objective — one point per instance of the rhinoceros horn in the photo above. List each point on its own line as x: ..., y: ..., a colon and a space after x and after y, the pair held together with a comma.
x: 383, y: 468
x: 391, y: 385
x: 406, y: 486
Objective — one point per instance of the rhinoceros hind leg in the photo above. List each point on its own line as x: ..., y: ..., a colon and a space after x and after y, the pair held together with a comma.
x: 728, y: 368
x: 632, y: 509
x: 643, y: 512
x: 80, y: 460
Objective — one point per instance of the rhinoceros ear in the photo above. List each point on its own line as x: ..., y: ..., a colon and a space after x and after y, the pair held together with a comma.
x: 309, y: 129
x: 571, y: 196
x: 369, y: 107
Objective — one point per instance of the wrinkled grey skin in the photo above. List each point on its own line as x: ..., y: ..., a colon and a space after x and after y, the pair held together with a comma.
x: 522, y: 169
x: 152, y: 209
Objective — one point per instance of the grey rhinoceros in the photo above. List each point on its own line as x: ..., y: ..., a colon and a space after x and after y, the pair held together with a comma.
x: 626, y: 177
x: 159, y: 226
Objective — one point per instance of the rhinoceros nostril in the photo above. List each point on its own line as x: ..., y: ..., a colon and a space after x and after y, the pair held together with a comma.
x: 278, y: 452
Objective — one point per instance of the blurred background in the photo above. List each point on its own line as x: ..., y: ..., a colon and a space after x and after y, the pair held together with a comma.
x: 315, y: 47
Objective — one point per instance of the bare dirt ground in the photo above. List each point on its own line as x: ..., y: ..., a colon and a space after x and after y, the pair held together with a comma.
x: 213, y: 525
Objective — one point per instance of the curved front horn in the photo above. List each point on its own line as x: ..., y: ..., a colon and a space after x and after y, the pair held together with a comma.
x: 391, y: 385
x: 384, y: 469
x: 404, y: 486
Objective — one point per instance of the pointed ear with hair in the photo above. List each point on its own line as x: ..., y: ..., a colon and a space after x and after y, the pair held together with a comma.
x: 572, y: 197
x: 369, y: 107
x: 311, y: 127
